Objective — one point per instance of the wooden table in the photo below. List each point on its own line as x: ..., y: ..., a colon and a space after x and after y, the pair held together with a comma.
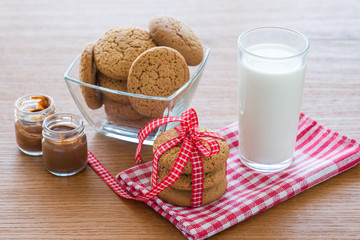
x: 38, y: 41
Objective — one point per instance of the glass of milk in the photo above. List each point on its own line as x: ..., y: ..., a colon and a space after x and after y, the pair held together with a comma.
x: 271, y: 69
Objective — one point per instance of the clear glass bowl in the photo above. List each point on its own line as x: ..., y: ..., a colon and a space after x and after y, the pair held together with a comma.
x: 127, y: 129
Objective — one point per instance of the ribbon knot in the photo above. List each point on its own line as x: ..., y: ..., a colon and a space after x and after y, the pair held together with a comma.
x: 194, y: 143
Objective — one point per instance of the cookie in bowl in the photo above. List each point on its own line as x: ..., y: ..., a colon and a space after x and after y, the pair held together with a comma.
x: 110, y: 83
x: 118, y: 48
x: 87, y: 71
x: 157, y: 72
x: 118, y: 111
x: 171, y: 32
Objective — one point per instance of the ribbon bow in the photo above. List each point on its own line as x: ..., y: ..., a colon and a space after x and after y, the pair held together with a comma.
x: 194, y: 144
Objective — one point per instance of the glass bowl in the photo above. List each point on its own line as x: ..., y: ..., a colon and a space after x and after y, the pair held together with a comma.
x: 119, y: 121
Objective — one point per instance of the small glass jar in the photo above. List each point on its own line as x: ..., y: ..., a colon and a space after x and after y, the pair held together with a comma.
x: 30, y: 112
x: 64, y: 144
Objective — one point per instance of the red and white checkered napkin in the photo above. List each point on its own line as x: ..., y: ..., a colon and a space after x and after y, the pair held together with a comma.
x: 320, y: 154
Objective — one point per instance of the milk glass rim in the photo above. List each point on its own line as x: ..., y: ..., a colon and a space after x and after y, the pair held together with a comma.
x: 302, y: 36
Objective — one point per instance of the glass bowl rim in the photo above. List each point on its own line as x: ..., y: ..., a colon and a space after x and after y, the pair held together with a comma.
x: 199, y: 69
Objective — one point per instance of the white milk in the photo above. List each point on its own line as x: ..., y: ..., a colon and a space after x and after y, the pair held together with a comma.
x: 270, y: 98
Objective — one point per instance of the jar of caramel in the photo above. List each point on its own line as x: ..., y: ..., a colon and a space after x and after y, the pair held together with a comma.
x: 64, y: 144
x: 30, y: 112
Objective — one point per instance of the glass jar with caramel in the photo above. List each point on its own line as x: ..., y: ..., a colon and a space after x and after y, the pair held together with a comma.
x: 64, y: 144
x: 30, y: 112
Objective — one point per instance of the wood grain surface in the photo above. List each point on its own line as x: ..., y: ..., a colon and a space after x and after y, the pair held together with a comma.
x: 38, y: 41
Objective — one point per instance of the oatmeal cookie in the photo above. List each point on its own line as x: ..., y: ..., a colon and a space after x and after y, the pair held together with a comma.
x: 119, y: 85
x: 170, y: 32
x: 118, y: 48
x: 183, y: 197
x: 168, y: 158
x: 185, y: 180
x: 87, y: 70
x: 160, y: 72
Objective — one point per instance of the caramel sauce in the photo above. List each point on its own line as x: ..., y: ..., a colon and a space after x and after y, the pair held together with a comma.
x: 30, y: 112
x: 42, y: 104
x: 28, y: 137
x: 62, y: 128
x: 66, y: 155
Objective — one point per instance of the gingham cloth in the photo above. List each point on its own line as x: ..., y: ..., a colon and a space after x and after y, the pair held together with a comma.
x: 320, y: 154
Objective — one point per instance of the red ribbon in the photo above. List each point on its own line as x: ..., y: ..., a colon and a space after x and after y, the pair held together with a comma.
x: 192, y: 148
x: 193, y: 145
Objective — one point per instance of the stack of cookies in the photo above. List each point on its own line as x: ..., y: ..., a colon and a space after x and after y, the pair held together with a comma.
x: 179, y: 193
x: 134, y: 60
